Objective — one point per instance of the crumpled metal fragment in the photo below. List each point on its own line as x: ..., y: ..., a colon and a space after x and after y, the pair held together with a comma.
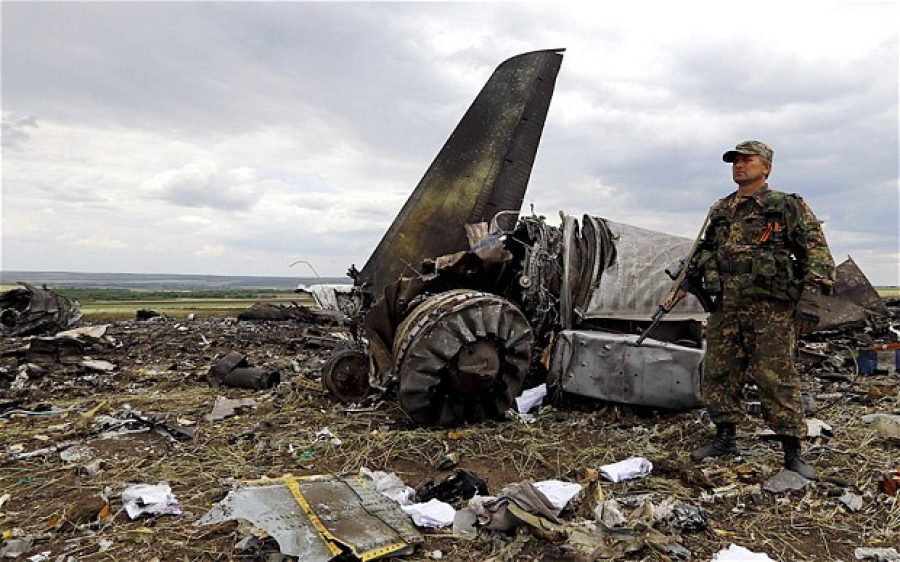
x: 29, y: 311
x: 315, y: 518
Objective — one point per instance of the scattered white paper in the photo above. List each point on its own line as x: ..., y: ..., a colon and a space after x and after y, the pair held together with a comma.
x: 390, y: 485
x: 464, y: 523
x: 150, y: 499
x: 608, y: 513
x: 816, y: 428
x: 878, y: 554
x: 735, y: 553
x: 325, y: 434
x: 558, y: 492
x: 433, y: 514
x: 530, y: 398
x: 77, y: 453
x: 95, y: 332
x: 854, y: 502
x: 98, y: 365
x: 634, y: 467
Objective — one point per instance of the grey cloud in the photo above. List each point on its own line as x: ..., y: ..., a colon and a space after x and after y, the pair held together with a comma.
x: 215, y: 67
x: 204, y: 185
x: 56, y: 190
x: 14, y: 133
x: 834, y: 127
x: 222, y: 68
x: 728, y: 76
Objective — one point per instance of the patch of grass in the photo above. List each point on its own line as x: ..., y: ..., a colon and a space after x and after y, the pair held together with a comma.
x: 103, y: 311
x: 888, y: 292
x: 88, y: 294
x: 104, y: 304
x: 101, y: 305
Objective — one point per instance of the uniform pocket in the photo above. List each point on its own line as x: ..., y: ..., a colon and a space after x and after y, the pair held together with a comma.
x: 764, y: 265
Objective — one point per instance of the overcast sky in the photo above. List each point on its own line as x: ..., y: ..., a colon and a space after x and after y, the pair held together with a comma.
x: 237, y: 138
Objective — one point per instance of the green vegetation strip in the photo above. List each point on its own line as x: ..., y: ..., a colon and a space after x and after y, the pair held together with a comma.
x: 89, y: 294
x: 106, y: 304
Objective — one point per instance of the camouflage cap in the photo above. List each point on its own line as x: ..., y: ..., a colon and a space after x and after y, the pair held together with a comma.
x: 749, y: 147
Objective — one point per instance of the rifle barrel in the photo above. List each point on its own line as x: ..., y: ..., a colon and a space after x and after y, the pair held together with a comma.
x: 657, y: 316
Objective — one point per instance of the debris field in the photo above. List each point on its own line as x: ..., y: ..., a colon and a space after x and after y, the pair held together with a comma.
x: 87, y: 418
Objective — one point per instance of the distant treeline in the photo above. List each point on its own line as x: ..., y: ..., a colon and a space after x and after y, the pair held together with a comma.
x: 161, y: 282
x: 93, y: 294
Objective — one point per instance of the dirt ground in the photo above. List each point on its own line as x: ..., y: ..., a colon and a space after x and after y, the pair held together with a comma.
x: 69, y: 506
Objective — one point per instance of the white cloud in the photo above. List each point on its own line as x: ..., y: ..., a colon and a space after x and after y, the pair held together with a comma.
x: 96, y: 242
x: 192, y: 220
x: 210, y: 251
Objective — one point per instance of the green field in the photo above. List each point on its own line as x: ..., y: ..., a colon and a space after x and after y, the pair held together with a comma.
x: 101, y: 304
x: 103, y: 310
x: 888, y: 292
x: 180, y: 304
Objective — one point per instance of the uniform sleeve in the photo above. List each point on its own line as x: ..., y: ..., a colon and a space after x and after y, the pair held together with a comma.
x: 815, y: 264
x: 709, y: 241
x: 704, y: 262
x: 706, y: 249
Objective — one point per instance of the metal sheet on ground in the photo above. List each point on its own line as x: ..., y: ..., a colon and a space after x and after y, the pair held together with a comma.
x: 315, y: 517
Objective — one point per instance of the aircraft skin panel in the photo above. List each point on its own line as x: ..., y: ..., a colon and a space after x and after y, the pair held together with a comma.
x: 483, y: 168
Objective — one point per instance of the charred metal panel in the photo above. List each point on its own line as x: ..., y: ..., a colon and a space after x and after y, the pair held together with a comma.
x: 30, y: 311
x: 853, y: 302
x: 272, y: 507
x: 316, y: 518
x: 633, y: 286
x: 610, y: 367
x: 588, y: 251
x: 483, y: 168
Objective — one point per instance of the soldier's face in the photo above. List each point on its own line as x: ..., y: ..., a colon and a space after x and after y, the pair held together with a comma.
x: 749, y: 169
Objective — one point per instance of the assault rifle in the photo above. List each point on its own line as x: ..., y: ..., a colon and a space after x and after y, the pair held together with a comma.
x: 686, y: 278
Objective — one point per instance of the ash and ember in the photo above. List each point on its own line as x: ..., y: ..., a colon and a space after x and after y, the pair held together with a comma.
x: 79, y: 423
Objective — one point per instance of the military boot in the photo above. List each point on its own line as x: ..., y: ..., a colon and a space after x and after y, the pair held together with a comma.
x: 793, y: 460
x: 723, y: 444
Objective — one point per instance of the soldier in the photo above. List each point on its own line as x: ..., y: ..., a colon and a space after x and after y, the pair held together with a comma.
x: 763, y: 257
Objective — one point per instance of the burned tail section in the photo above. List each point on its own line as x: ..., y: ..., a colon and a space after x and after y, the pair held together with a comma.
x: 482, y: 169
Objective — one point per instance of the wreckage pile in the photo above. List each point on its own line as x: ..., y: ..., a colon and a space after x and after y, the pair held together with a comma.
x: 212, y: 439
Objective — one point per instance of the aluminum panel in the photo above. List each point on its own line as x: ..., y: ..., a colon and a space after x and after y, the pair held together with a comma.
x: 610, y: 367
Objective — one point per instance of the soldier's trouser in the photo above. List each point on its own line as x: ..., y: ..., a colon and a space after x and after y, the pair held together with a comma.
x: 753, y: 343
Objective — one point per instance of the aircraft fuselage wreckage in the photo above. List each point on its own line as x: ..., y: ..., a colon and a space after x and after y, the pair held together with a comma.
x: 464, y: 303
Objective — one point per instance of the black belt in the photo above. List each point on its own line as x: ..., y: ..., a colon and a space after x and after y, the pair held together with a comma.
x: 730, y: 266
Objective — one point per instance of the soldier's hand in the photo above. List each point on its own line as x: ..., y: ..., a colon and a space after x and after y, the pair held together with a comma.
x: 807, y: 315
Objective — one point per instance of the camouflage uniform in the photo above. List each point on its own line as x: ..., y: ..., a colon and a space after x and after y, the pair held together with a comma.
x: 758, y: 254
